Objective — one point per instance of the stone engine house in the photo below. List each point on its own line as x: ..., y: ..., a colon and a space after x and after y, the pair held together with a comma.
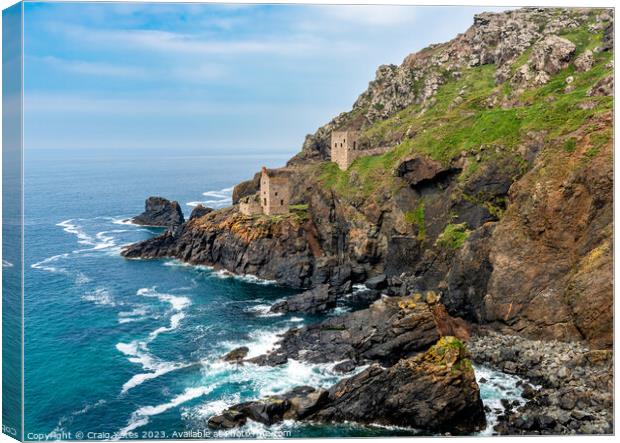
x: 346, y: 147
x: 274, y: 195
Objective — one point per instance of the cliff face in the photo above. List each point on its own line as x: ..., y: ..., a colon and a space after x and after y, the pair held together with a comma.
x: 496, y: 191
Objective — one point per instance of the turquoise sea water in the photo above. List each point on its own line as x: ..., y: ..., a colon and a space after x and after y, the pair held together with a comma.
x: 130, y: 348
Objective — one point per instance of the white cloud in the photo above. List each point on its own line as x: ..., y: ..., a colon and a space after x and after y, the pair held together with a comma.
x: 179, y: 43
x: 93, y: 68
x: 188, y: 71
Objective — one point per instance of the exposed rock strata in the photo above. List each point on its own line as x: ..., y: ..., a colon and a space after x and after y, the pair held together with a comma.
x: 390, y: 329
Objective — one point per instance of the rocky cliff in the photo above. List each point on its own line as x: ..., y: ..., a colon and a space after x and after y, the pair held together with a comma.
x: 496, y: 192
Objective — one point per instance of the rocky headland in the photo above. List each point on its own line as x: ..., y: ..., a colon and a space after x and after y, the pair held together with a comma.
x: 489, y: 218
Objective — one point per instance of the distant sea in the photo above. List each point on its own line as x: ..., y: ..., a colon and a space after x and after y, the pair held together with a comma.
x: 131, y: 348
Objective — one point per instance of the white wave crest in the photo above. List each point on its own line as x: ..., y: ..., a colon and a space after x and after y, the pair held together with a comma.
x: 263, y: 311
x: 71, y: 228
x: 136, y: 314
x: 100, y: 296
x: 141, y: 416
x: 218, y: 199
x: 137, y: 351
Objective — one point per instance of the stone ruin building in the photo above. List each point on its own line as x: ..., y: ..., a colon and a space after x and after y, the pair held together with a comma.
x: 346, y: 147
x: 273, y: 197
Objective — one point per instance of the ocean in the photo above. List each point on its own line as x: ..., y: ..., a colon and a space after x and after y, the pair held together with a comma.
x: 118, y: 348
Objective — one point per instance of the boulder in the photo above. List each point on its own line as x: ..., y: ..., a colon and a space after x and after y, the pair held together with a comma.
x: 584, y: 61
x: 552, y: 54
x: 314, y: 301
x: 159, y: 211
x: 604, y: 87
x: 378, y: 282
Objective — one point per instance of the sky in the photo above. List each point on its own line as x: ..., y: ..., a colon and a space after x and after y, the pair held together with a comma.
x: 208, y: 77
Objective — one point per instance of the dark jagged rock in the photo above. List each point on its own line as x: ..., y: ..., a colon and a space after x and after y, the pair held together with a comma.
x: 390, y: 329
x: 469, y: 275
x: 435, y: 391
x: 270, y: 248
x: 419, y: 168
x: 296, y: 404
x: 236, y: 355
x: 160, y: 212
x: 200, y: 211
x: 314, y: 301
x: 361, y: 298
x: 378, y: 282
x: 345, y: 366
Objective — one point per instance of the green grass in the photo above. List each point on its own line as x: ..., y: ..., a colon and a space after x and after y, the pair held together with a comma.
x: 453, y: 236
x: 417, y: 218
x: 301, y: 211
x: 570, y: 145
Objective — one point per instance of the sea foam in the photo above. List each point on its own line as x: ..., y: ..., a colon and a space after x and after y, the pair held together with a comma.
x: 140, y: 417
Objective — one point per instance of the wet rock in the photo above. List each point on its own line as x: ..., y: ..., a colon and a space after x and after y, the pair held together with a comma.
x: 236, y: 355
x: 345, y: 366
x: 227, y: 420
x: 558, y: 405
x: 269, y: 248
x: 390, y: 329
x: 160, y: 212
x: 360, y: 299
x: 377, y: 283
x: 314, y: 301
x: 529, y: 392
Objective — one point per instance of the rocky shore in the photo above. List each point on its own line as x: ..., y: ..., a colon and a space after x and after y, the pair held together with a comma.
x: 568, y: 387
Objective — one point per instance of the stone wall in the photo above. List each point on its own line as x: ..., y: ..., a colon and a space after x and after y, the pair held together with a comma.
x: 250, y: 205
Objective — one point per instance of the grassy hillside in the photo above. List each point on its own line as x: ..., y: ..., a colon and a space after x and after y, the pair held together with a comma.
x: 462, y: 119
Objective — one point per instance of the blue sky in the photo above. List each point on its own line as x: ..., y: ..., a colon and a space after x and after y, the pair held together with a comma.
x: 200, y: 77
